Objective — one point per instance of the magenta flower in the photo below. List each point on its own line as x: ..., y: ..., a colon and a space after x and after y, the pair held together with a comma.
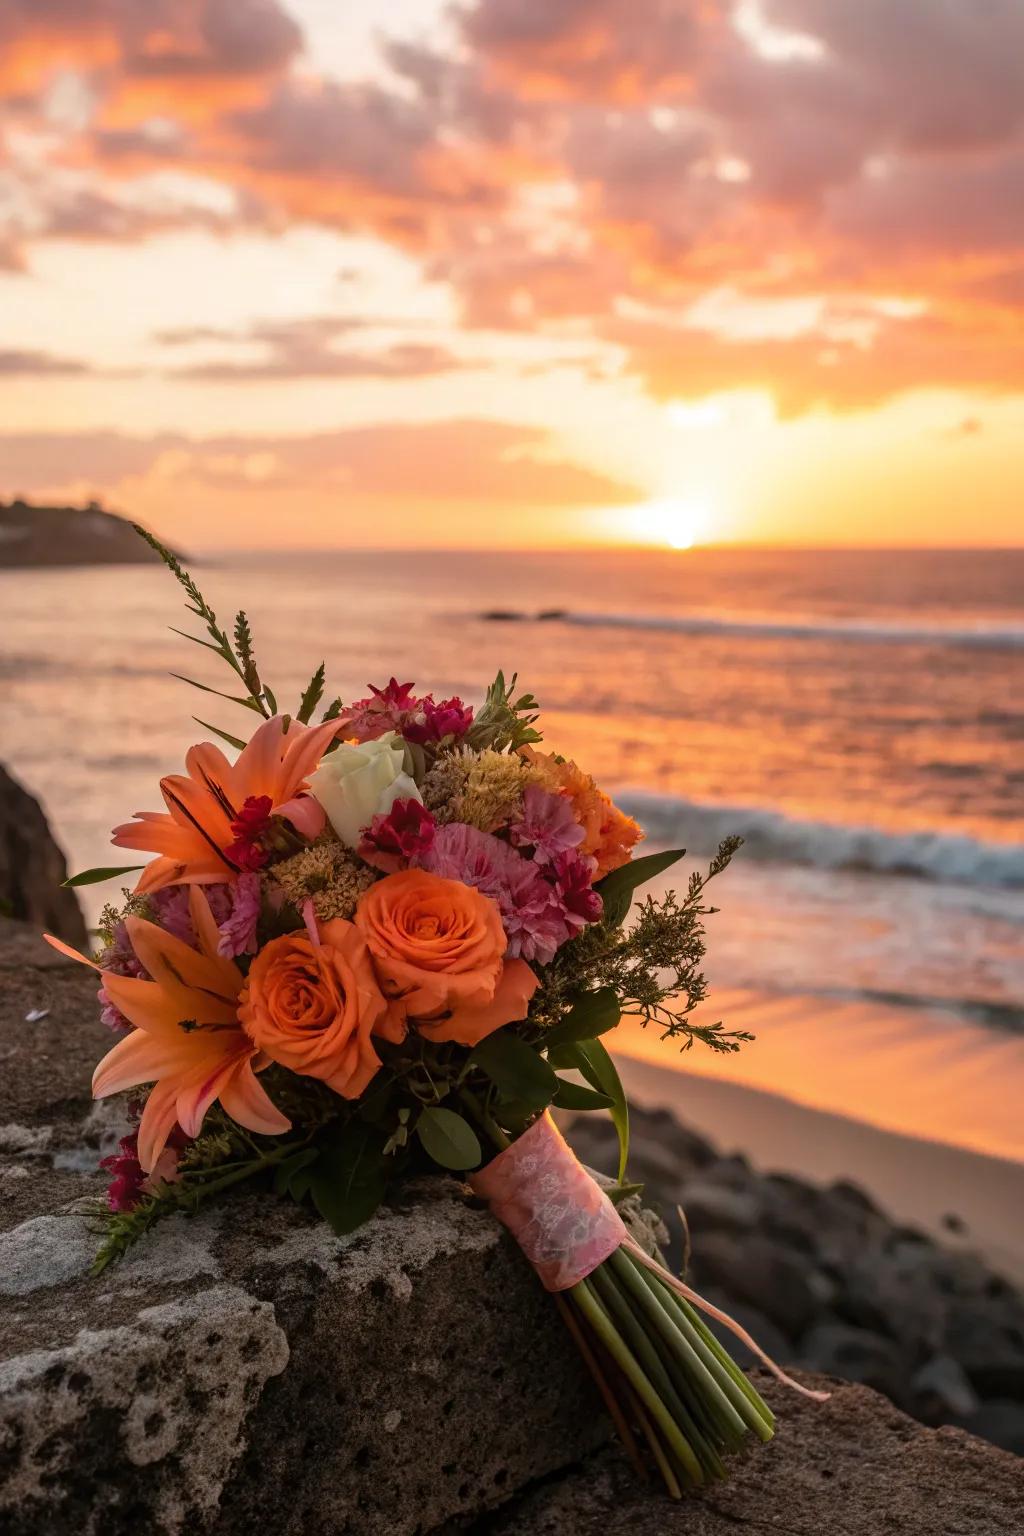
x: 390, y: 842
x: 547, y: 824
x: 129, y: 1182
x: 396, y: 708
x: 574, y: 875
x: 449, y: 718
x: 125, y: 1189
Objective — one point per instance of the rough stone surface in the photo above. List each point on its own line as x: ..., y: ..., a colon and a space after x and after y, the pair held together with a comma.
x: 32, y: 867
x: 246, y: 1369
x: 854, y: 1466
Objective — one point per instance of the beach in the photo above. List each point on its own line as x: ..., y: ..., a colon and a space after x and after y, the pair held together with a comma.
x: 913, y: 1180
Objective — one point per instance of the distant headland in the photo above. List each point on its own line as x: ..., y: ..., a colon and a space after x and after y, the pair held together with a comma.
x: 32, y: 536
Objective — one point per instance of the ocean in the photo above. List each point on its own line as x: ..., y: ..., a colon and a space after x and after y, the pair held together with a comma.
x: 857, y: 716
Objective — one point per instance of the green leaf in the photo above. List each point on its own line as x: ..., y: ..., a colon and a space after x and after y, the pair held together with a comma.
x: 616, y: 890
x: 592, y: 1014
x: 620, y: 1192
x: 285, y: 1171
x: 515, y: 1068
x: 590, y: 1058
x: 94, y: 876
x: 449, y: 1139
x: 268, y: 695
x: 207, y: 645
x: 232, y: 698
x: 312, y: 696
x: 574, y: 1096
x: 350, y: 1177
x: 232, y: 741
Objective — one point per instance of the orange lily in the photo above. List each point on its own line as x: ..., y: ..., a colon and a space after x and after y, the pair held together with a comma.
x: 187, y: 1040
x: 193, y: 838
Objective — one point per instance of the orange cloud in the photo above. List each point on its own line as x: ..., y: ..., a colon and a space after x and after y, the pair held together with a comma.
x: 582, y: 163
x: 477, y: 462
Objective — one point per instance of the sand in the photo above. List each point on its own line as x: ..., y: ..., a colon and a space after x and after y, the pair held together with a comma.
x: 914, y: 1179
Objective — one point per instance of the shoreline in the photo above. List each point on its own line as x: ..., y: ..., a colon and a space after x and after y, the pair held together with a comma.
x: 915, y: 1180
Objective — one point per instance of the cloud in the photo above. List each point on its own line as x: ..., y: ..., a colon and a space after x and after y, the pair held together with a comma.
x: 148, y: 38
x: 307, y: 348
x: 15, y: 362
x: 808, y: 371
x: 465, y: 460
x: 583, y: 166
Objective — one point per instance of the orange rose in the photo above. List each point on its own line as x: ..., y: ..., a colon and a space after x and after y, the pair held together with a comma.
x: 313, y: 1007
x: 438, y: 949
x: 609, y: 835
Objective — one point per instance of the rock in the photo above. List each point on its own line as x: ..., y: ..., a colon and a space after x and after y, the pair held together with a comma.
x: 250, y: 1370
x: 711, y: 1206
x: 763, y: 1332
x: 1000, y: 1421
x: 763, y: 1274
x: 987, y: 1339
x: 943, y: 1391
x: 36, y: 536
x: 857, y: 1355
x: 853, y: 1466
x: 32, y: 867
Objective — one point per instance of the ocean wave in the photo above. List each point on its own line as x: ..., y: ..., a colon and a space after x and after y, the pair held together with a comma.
x: 772, y: 836
x: 984, y: 637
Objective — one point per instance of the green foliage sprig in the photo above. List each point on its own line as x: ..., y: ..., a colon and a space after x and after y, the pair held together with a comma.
x: 504, y: 722
x: 654, y: 968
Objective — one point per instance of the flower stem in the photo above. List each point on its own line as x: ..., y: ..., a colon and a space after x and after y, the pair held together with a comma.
x: 603, y: 1385
x: 601, y: 1324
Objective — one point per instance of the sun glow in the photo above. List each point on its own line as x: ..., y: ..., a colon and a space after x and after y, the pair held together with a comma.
x: 672, y: 523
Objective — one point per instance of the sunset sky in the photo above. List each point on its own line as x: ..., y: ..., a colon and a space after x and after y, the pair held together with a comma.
x: 283, y: 272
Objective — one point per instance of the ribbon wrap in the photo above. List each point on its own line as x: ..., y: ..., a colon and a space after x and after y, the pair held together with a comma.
x: 567, y: 1226
x: 560, y: 1217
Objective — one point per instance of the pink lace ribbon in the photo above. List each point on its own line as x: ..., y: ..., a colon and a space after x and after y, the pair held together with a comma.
x: 566, y: 1225
x: 561, y: 1219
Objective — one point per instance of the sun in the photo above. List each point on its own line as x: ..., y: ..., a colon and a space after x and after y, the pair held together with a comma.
x: 673, y: 523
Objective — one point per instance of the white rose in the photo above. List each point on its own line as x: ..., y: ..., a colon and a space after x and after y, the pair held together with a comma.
x: 356, y: 783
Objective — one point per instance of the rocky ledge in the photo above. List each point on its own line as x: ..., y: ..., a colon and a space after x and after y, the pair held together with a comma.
x: 247, y: 1369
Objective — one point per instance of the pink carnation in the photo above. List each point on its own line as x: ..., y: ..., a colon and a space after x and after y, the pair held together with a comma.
x: 238, y: 929
x: 110, y: 1013
x: 547, y: 824
x: 405, y: 833
x: 387, y: 709
x: 532, y: 914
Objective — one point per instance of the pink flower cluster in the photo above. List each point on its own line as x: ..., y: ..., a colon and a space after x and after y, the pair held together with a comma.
x: 542, y: 905
x: 396, y: 708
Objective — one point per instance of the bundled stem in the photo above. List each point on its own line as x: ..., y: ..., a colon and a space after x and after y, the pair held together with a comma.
x: 677, y: 1385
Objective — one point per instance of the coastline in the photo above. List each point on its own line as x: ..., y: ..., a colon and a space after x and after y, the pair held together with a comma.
x: 915, y: 1180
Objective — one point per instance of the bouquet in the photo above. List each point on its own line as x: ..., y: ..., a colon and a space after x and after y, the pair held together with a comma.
x: 375, y: 945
